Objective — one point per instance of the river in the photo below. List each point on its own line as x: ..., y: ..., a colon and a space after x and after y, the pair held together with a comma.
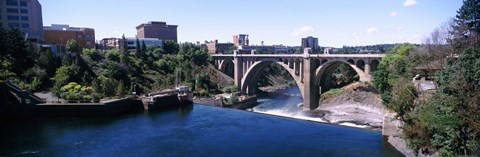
x: 195, y: 130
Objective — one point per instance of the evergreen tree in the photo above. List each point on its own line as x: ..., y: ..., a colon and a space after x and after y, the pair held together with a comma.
x: 469, y: 14
x: 138, y: 49
x: 17, y: 51
x: 124, y: 51
x: 466, y: 30
x: 144, y: 51
x: 171, y: 47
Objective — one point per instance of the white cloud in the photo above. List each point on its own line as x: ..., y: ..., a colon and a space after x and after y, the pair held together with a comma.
x: 372, y: 30
x: 302, y: 31
x: 393, y: 14
x: 399, y: 28
x: 409, y: 3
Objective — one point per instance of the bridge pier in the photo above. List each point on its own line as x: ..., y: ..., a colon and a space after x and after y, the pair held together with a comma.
x: 238, y: 72
x: 311, y: 96
x: 367, y: 67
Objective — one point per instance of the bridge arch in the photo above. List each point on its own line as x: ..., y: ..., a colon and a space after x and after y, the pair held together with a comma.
x: 324, y: 71
x: 360, y: 64
x: 374, y: 65
x: 227, y: 67
x: 249, y: 82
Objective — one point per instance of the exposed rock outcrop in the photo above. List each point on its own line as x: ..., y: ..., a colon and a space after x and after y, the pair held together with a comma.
x: 358, y: 104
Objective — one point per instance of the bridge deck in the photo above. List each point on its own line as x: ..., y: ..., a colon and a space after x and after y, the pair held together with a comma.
x: 303, y: 55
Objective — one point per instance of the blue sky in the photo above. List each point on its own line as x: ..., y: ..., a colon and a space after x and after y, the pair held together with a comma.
x: 334, y: 22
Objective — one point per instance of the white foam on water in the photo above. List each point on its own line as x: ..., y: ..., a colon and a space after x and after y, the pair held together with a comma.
x: 299, y: 115
x: 285, y: 113
x: 353, y: 125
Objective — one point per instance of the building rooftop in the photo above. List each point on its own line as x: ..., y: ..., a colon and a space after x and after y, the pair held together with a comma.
x: 134, y: 38
x: 156, y: 23
x: 61, y: 27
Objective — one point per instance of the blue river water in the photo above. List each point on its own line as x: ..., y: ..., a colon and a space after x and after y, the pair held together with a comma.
x: 196, y: 131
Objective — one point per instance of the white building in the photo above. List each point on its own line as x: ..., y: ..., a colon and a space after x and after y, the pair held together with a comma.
x: 109, y: 43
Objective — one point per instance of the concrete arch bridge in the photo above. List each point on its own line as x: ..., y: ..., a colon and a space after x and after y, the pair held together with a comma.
x: 310, y: 71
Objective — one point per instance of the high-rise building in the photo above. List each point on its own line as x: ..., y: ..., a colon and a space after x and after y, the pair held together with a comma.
x: 310, y: 42
x: 159, y: 30
x: 240, y: 40
x: 60, y: 34
x: 25, y: 15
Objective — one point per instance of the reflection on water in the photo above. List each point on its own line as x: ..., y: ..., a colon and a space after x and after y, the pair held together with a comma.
x: 190, y: 131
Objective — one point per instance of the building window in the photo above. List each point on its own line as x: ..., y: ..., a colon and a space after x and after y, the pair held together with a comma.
x: 24, y: 11
x: 87, y: 36
x: 79, y: 36
x: 88, y: 43
x: 25, y: 25
x: 24, y: 18
x: 23, y: 3
x: 12, y: 10
x: 12, y: 2
x: 13, y: 25
x: 13, y: 18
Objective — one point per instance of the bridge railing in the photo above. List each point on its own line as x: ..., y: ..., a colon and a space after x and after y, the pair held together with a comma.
x: 303, y: 55
x: 23, y: 93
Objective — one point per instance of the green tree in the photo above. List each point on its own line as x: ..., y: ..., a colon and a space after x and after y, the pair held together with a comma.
x: 138, y: 49
x: 394, y: 65
x: 17, y: 52
x: 49, y: 61
x: 64, y: 75
x: 113, y: 55
x: 124, y: 51
x: 469, y: 14
x: 171, y: 47
x: 120, y: 90
x: 466, y: 30
x: 73, y: 46
x: 143, y: 51
x: 344, y: 75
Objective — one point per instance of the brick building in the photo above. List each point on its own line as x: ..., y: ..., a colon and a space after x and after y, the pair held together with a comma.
x: 159, y: 30
x: 60, y: 34
x: 215, y: 47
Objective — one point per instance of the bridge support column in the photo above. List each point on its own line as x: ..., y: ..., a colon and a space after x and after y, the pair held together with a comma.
x: 290, y: 64
x: 366, y: 76
x: 311, y: 97
x: 297, y: 67
x: 367, y: 67
x: 301, y: 72
x: 238, y: 72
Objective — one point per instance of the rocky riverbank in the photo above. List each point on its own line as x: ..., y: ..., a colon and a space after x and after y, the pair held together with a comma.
x: 358, y: 104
